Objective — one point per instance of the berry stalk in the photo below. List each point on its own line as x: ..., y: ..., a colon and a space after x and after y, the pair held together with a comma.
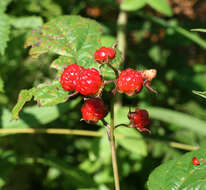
x: 113, y: 149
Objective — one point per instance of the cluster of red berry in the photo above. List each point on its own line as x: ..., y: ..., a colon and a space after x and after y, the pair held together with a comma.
x: 89, y: 82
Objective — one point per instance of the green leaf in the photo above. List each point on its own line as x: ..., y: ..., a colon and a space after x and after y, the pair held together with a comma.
x: 66, y: 35
x: 181, y: 119
x: 74, y: 38
x: 24, y: 96
x: 132, y: 5
x: 44, y: 94
x: 26, y: 22
x: 1, y: 85
x: 50, y: 94
x: 3, y: 5
x: 198, y: 30
x: 34, y: 116
x: 180, y: 174
x: 202, y: 94
x: 4, y: 32
x: 133, y: 141
x: 161, y: 5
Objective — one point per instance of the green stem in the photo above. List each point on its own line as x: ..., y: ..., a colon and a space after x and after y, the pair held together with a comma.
x: 113, y: 150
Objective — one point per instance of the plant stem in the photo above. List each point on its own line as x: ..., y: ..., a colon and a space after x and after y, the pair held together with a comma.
x: 54, y: 131
x: 113, y: 150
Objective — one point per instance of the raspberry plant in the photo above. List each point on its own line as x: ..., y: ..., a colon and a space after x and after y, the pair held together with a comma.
x: 84, y: 67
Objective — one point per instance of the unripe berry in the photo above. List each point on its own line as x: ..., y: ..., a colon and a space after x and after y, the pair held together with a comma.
x: 130, y: 82
x: 93, y: 110
x: 195, y: 161
x: 70, y: 76
x: 140, y: 119
x: 104, y: 55
x: 90, y: 82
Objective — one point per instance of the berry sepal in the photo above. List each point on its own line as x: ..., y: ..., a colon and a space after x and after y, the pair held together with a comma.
x: 140, y: 120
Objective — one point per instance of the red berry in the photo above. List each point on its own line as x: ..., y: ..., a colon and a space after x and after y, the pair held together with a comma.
x: 140, y: 119
x: 111, y: 53
x: 90, y: 82
x: 70, y: 76
x: 195, y: 161
x: 101, y: 54
x: 93, y: 110
x: 130, y: 82
x: 104, y: 55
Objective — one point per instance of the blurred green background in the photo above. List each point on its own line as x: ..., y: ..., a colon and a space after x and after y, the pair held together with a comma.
x: 157, y: 36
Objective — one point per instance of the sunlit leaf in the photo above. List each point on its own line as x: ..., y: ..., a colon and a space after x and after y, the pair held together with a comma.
x: 132, y: 5
x: 161, y: 5
x: 180, y: 174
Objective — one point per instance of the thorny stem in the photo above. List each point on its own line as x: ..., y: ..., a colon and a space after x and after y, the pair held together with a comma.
x: 112, y: 145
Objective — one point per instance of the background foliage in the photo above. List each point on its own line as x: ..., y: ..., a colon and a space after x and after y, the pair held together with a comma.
x: 158, y: 36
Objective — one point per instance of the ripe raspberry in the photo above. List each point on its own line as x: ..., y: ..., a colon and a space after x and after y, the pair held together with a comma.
x: 70, y: 77
x: 195, y: 161
x: 93, y: 110
x: 90, y: 82
x: 104, y: 55
x: 130, y: 82
x: 140, y: 119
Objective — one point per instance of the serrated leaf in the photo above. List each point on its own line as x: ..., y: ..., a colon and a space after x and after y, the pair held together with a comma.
x: 24, y: 96
x: 50, y: 94
x: 74, y: 38
x: 180, y: 174
x: 202, y: 94
x: 1, y: 85
x: 132, y: 5
x: 65, y: 35
x: 4, y: 31
x: 198, y: 30
x: 161, y: 5
x: 26, y: 22
x: 44, y: 94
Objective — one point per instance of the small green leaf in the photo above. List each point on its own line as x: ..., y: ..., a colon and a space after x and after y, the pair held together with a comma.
x: 24, y: 96
x: 26, y: 22
x: 132, y: 5
x: 161, y: 5
x: 180, y: 174
x: 44, y: 94
x: 202, y: 94
x: 198, y: 30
